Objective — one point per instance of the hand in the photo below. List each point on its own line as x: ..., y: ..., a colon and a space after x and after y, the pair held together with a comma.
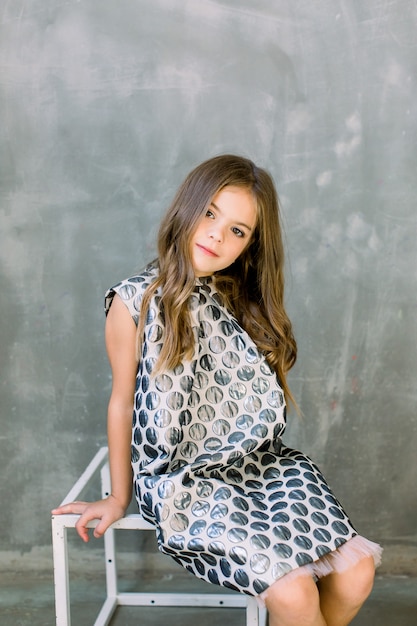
x: 107, y: 511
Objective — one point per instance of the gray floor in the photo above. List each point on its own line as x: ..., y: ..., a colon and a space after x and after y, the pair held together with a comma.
x: 28, y: 600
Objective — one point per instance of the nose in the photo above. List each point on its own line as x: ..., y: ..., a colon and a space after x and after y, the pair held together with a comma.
x: 216, y: 233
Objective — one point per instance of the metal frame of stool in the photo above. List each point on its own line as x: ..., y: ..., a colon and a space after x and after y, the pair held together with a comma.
x: 255, y: 616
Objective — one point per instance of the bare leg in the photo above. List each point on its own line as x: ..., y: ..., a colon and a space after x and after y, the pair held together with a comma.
x: 294, y: 602
x: 342, y: 594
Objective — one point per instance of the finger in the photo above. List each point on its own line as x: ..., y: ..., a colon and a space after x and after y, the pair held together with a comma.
x: 83, y: 533
x: 81, y: 527
x: 101, y: 527
x: 76, y: 508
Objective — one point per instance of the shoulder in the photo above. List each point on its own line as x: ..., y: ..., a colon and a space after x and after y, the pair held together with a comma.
x: 131, y: 290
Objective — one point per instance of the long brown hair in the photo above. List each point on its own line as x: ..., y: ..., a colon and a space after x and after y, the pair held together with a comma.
x: 252, y: 287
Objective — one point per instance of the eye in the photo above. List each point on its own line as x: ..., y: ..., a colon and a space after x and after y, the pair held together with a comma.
x: 237, y: 231
x: 210, y: 214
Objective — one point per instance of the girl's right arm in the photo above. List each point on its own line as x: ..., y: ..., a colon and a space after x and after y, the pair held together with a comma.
x: 121, y: 349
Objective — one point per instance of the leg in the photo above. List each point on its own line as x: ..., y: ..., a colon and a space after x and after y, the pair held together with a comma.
x: 342, y: 594
x: 294, y: 602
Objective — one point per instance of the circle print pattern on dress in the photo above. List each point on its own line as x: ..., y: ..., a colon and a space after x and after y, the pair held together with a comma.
x: 229, y: 502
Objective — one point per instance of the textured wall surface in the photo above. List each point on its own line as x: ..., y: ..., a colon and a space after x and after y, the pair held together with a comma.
x: 105, y: 106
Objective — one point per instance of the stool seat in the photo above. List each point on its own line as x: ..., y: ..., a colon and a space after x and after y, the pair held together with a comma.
x: 255, y: 616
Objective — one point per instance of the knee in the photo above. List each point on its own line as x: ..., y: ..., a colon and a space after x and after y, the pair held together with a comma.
x: 294, y: 602
x: 352, y: 587
x: 363, y: 580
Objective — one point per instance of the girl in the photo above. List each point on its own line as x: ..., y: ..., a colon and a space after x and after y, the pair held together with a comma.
x: 200, y: 346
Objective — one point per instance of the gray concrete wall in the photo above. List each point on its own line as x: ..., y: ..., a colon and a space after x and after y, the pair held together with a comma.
x: 105, y: 106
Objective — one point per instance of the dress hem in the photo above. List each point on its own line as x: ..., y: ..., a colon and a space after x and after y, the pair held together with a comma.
x: 339, y: 561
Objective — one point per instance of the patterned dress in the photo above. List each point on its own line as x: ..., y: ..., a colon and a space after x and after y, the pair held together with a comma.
x: 229, y: 501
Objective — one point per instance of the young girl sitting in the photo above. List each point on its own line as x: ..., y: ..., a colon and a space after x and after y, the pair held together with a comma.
x: 200, y: 346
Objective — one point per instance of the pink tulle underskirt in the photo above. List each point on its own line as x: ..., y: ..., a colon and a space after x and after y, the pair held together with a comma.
x: 340, y: 560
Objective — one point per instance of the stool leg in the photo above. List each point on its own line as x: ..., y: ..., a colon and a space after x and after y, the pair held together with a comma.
x: 263, y: 617
x: 252, y: 612
x: 111, y: 568
x: 61, y: 575
x: 109, y: 540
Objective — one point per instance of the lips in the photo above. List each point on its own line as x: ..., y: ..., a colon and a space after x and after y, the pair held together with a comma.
x: 206, y: 250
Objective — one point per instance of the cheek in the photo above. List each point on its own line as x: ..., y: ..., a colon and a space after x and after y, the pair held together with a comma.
x: 196, y: 233
x: 240, y: 247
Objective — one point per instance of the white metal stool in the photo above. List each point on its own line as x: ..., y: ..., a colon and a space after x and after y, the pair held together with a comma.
x: 254, y: 615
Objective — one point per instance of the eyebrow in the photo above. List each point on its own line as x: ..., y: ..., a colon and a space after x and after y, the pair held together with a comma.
x: 237, y: 223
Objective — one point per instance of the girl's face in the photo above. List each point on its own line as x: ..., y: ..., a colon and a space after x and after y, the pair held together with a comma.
x: 224, y: 231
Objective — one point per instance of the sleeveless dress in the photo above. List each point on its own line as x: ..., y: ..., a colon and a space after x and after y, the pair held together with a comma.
x: 228, y: 500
